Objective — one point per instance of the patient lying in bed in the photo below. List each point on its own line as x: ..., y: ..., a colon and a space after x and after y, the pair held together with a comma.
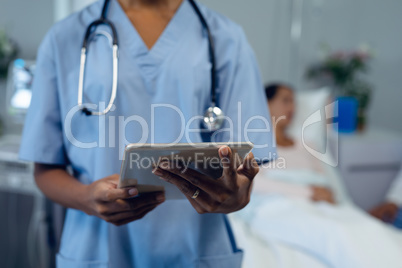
x: 295, y: 203
x: 277, y: 177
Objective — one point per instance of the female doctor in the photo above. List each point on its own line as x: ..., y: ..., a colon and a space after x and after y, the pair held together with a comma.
x: 164, y: 52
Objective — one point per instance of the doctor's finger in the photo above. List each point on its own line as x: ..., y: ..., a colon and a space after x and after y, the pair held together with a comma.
x: 123, y: 205
x: 200, y: 209
x: 114, y: 194
x: 249, y: 167
x: 206, y: 203
x: 194, y: 177
x: 146, y: 199
x: 228, y: 164
x: 130, y: 215
x: 204, y: 198
x: 210, y: 190
x: 138, y: 216
x: 184, y: 186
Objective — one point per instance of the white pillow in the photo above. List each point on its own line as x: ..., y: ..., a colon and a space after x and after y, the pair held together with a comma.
x: 307, y: 103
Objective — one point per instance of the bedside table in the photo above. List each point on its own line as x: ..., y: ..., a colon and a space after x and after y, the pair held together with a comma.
x: 368, y: 163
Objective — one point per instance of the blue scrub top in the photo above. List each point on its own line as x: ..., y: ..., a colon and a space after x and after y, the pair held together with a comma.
x: 175, y: 71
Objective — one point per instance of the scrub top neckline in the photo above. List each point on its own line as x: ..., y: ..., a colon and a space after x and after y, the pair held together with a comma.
x: 129, y: 37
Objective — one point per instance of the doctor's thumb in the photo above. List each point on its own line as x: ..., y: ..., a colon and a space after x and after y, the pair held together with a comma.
x: 125, y: 193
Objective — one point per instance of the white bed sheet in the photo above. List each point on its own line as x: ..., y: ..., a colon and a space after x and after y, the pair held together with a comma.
x: 278, y: 232
x: 268, y: 247
x: 263, y: 254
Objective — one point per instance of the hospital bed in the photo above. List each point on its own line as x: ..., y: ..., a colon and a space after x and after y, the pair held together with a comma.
x: 280, y: 250
x: 285, y: 234
x: 265, y: 254
x: 260, y: 253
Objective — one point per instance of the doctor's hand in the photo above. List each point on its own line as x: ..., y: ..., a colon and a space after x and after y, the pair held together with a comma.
x: 229, y: 193
x: 117, y: 206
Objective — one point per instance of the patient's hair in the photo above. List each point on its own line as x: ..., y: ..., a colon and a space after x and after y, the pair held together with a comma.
x: 272, y: 89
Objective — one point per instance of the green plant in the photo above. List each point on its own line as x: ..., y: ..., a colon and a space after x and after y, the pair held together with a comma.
x: 8, y: 52
x: 361, y: 90
x: 341, y: 67
x: 343, y: 71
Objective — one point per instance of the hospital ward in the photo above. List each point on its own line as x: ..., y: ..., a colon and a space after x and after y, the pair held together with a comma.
x: 200, y: 134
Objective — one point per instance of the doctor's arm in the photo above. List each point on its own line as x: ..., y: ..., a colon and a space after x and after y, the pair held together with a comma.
x: 42, y: 142
x: 101, y: 198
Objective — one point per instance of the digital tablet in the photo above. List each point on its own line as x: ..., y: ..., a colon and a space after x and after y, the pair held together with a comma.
x: 140, y: 160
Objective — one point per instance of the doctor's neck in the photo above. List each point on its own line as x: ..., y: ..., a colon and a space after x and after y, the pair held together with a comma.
x: 165, y: 4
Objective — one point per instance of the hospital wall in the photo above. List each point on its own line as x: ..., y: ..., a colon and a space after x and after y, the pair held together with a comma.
x: 342, y: 24
x: 26, y: 22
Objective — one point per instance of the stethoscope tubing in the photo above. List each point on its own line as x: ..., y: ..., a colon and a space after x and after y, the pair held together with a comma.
x: 215, y: 114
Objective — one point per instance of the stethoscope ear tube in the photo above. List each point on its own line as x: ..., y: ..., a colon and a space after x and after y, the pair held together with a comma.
x: 81, y: 80
x: 81, y: 76
x: 93, y: 26
x: 84, y: 51
x: 214, y: 116
x: 211, y: 48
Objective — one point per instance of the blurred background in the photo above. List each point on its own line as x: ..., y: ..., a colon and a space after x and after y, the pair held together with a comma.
x: 344, y: 51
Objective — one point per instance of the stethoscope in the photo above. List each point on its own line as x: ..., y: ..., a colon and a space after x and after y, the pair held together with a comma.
x: 213, y: 117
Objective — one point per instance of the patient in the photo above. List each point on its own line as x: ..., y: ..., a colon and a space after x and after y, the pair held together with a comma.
x: 392, y: 205
x: 292, y: 155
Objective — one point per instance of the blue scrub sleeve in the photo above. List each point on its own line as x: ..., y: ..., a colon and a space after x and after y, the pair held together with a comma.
x: 244, y: 103
x: 42, y: 139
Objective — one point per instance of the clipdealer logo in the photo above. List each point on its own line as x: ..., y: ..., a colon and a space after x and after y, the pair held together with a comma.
x: 331, y: 151
x: 114, y: 135
x: 325, y: 116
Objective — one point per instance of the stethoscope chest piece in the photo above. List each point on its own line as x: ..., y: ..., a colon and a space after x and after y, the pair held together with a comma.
x: 213, y: 118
